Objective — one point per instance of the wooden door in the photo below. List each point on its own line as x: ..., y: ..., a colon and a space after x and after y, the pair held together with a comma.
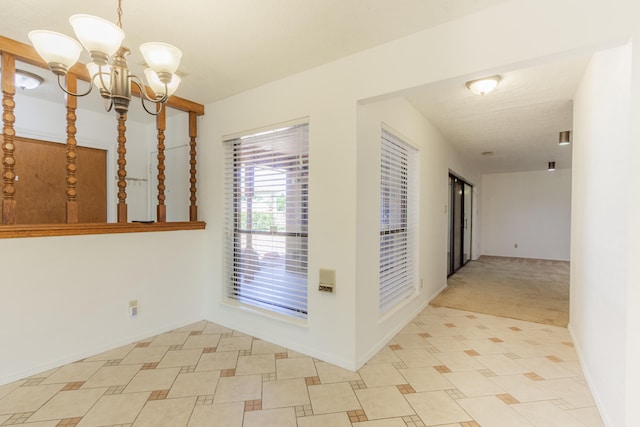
x: 41, y: 182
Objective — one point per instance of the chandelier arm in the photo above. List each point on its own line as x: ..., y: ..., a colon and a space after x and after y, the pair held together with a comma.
x: 110, y: 106
x: 143, y: 90
x: 143, y: 96
x: 153, y: 113
x: 101, y: 74
x: 64, y: 89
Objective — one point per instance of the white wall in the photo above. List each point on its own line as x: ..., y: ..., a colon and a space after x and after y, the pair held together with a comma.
x: 69, y: 295
x: 537, y: 33
x: 600, y: 227
x: 329, y: 331
x: 437, y: 157
x: 632, y: 389
x: 529, y: 209
x: 516, y: 33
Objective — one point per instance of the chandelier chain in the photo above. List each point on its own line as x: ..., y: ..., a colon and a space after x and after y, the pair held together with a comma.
x: 120, y: 14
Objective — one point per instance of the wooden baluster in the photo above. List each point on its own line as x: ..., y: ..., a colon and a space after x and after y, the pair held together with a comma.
x: 122, y: 171
x: 72, y: 104
x: 193, y: 133
x: 8, y: 146
x: 161, y: 124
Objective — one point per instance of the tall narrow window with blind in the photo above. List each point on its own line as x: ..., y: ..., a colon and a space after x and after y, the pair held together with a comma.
x: 267, y: 211
x: 398, y: 220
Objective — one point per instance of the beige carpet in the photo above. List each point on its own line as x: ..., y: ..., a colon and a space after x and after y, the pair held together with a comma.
x: 525, y: 289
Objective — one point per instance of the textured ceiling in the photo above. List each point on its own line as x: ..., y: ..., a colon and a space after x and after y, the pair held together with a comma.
x: 233, y: 45
x: 518, y: 122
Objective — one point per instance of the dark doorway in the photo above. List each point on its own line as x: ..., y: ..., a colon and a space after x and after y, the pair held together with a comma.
x: 460, y: 204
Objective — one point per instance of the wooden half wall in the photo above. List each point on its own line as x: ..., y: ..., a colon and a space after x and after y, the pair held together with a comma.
x: 47, y: 183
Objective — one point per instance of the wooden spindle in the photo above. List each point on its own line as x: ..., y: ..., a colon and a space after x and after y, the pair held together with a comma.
x: 8, y: 146
x: 161, y: 124
x: 122, y: 171
x: 193, y: 134
x: 72, y: 193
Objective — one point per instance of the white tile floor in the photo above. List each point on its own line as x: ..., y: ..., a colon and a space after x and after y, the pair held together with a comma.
x: 447, y: 368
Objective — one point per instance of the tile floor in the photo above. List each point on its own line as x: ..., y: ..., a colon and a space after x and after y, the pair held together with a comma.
x: 447, y: 368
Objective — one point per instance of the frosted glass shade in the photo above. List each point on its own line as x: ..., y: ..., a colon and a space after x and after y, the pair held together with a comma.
x: 93, y: 69
x: 27, y: 80
x: 157, y: 86
x: 483, y: 86
x: 56, y: 48
x: 97, y: 34
x: 161, y: 57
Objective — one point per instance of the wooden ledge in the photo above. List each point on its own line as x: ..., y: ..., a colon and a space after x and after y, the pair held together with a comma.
x: 49, y: 230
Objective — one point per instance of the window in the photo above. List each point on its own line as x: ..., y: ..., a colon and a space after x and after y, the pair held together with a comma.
x: 398, y: 220
x: 267, y: 211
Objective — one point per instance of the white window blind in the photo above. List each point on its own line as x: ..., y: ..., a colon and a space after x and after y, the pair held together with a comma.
x: 266, y: 203
x: 398, y: 220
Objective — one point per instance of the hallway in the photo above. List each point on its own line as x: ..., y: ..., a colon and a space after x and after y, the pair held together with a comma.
x: 526, y: 289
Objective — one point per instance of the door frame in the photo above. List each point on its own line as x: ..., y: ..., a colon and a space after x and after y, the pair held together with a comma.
x: 452, y: 179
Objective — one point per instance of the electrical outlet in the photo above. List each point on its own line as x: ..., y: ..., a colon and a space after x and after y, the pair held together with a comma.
x: 133, y: 308
x: 325, y: 288
x: 515, y: 245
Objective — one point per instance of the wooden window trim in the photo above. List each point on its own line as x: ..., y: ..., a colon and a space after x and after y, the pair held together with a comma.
x: 51, y: 230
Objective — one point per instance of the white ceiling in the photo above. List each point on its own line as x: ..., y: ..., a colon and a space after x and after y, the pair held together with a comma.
x: 233, y: 45
x: 519, y: 122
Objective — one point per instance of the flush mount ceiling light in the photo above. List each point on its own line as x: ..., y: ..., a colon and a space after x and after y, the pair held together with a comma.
x: 484, y: 85
x: 552, y: 166
x: 108, y: 69
x: 564, y: 138
x: 26, y: 80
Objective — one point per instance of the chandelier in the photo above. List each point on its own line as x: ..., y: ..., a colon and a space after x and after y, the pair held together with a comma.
x: 108, y: 69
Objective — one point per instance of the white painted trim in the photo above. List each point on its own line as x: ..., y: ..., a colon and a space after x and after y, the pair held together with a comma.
x: 258, y: 331
x: 386, y: 338
x: 92, y: 352
x: 587, y: 376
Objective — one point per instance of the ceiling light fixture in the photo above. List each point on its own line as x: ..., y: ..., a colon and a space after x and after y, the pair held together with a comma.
x: 108, y: 69
x: 484, y: 85
x: 26, y: 80
x: 552, y: 166
x: 564, y: 138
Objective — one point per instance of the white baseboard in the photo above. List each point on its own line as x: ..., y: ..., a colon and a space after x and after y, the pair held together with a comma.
x: 594, y: 392
x: 7, y: 378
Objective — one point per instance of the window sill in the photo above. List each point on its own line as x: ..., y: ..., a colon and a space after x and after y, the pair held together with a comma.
x: 50, y: 230
x: 296, y: 321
